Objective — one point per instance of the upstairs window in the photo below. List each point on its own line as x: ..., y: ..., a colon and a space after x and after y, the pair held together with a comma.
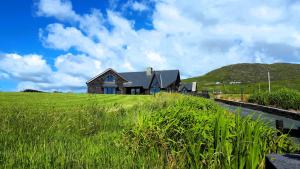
x: 109, y: 78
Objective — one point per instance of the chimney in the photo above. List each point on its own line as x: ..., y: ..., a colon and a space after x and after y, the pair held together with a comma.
x: 149, y: 71
x: 194, y: 86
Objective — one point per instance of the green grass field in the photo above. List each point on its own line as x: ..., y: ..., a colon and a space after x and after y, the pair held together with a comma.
x: 43, y: 130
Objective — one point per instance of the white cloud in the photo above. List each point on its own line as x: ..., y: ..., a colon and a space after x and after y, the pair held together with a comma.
x: 185, y: 36
x: 128, y: 66
x: 155, y: 59
x: 170, y: 19
x: 28, y: 67
x: 59, y: 82
x: 78, y: 65
x: 267, y: 13
x: 65, y: 38
x: 60, y: 9
x: 70, y: 73
x: 92, y: 24
x: 4, y: 75
x: 137, y: 6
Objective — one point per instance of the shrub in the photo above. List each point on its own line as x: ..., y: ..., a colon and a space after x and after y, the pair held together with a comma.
x: 196, y: 133
x: 282, y: 98
x: 259, y: 98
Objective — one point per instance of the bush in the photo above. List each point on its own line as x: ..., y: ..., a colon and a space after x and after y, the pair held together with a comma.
x: 196, y: 133
x: 283, y: 98
x: 259, y: 98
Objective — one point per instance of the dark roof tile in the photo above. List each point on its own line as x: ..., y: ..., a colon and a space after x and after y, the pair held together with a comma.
x: 188, y: 86
x: 140, y: 79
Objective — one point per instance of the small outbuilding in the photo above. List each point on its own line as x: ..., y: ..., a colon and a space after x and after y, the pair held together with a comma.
x: 188, y: 87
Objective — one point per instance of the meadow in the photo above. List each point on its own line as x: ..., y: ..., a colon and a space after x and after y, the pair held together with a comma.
x: 44, y: 130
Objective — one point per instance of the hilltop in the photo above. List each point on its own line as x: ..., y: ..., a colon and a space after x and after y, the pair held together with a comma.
x: 282, y: 75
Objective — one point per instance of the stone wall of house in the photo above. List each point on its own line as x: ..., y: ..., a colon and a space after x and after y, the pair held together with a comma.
x: 96, y: 85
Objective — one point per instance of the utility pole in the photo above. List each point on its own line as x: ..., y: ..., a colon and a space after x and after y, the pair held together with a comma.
x: 242, y: 93
x: 269, y: 82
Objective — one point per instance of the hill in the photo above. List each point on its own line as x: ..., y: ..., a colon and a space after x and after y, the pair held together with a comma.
x: 249, y: 75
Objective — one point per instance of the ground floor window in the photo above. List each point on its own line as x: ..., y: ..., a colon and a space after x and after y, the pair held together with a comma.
x: 135, y: 91
x: 184, y: 90
x: 109, y: 90
x: 154, y: 90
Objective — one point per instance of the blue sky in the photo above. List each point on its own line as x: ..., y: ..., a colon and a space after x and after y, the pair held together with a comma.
x: 59, y: 44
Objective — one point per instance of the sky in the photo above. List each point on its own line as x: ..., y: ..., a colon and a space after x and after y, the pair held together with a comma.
x: 57, y: 45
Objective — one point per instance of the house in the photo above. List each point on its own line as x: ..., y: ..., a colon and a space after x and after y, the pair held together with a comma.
x: 188, y: 87
x: 144, y: 82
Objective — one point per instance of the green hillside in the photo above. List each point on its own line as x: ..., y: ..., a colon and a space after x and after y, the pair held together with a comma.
x: 251, y: 76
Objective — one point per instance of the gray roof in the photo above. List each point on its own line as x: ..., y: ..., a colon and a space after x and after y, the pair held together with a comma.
x: 140, y: 79
x: 188, y: 86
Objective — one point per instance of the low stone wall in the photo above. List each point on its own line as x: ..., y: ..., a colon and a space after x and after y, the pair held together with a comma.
x: 271, y: 110
x: 286, y: 161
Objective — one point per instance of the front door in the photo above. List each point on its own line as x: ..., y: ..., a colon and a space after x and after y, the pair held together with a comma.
x: 109, y: 90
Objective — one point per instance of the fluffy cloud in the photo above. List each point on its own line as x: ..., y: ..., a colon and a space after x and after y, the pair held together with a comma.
x: 65, y: 38
x: 28, y: 67
x: 57, y: 8
x: 4, y: 75
x: 137, y: 6
x: 78, y: 65
x: 185, y: 36
x: 59, y: 82
x: 70, y: 72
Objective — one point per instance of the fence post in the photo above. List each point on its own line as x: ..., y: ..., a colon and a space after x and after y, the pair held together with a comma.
x: 279, y: 125
x: 242, y: 94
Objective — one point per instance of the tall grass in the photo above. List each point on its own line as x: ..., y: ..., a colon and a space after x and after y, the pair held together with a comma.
x: 100, y: 131
x: 196, y: 133
x: 283, y: 98
x: 64, y: 130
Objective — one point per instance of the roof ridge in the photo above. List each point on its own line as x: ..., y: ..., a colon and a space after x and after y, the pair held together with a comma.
x: 108, y: 69
x: 167, y: 70
x: 133, y: 72
x: 153, y: 71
